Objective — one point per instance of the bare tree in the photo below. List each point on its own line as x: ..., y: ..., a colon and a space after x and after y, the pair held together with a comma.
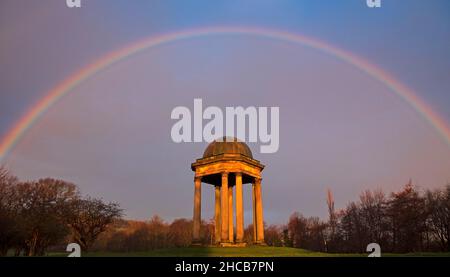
x: 180, y: 232
x: 89, y: 217
x: 373, y: 206
x: 408, y: 217
x: 331, y: 234
x: 438, y: 205
x: 273, y: 235
x: 297, y: 229
x: 316, y: 234
x: 40, y: 208
x: 8, y: 224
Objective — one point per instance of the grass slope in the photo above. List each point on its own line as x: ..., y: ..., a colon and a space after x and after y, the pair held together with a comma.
x: 253, y: 251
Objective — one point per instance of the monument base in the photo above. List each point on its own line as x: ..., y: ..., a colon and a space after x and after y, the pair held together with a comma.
x: 260, y: 243
x: 196, y: 244
x: 233, y: 244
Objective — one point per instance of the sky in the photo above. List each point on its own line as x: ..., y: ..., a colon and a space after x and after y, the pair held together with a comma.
x: 339, y: 127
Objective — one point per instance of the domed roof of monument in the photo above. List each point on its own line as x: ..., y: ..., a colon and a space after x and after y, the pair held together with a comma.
x: 227, y: 145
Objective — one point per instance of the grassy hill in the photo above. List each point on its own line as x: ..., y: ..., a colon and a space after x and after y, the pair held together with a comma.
x: 254, y: 251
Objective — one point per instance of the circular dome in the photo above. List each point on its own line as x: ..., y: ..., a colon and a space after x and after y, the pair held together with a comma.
x: 227, y: 145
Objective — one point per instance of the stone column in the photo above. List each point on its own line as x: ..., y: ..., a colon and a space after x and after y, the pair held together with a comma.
x: 230, y: 214
x: 259, y: 212
x: 197, y: 209
x: 239, y: 209
x: 254, y: 211
x: 224, y: 208
x: 217, y: 230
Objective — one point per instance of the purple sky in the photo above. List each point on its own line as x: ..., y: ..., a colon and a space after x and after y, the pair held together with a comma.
x: 339, y: 128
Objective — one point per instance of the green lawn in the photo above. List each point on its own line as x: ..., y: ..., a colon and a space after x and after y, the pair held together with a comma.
x: 254, y: 251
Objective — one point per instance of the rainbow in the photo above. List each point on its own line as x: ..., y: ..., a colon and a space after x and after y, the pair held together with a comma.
x: 53, y: 96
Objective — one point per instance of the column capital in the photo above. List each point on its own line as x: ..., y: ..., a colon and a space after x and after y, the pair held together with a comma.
x: 198, y: 178
x: 258, y: 180
x: 238, y: 174
x: 225, y: 173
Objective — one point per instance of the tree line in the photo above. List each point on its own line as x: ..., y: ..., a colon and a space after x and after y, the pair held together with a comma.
x: 404, y: 221
x: 36, y: 215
